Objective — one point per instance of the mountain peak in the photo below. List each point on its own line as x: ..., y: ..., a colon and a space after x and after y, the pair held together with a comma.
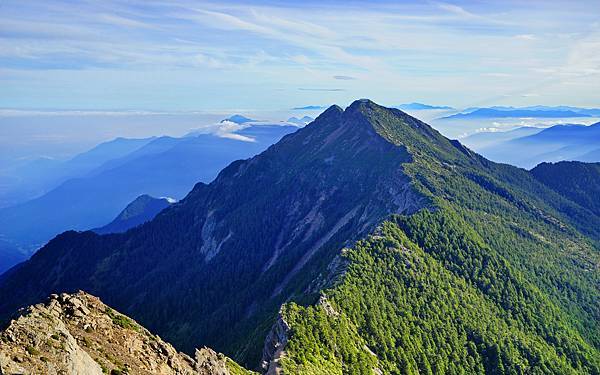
x: 330, y: 115
x: 142, y: 209
x: 377, y: 113
x: 238, y: 119
x: 398, y: 128
x: 362, y: 104
x: 332, y: 110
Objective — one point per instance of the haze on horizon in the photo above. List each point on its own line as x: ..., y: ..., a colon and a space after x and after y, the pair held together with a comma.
x: 263, y: 55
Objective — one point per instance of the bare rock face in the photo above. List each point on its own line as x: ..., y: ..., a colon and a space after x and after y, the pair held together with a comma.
x: 78, y: 335
x: 274, y: 346
x: 209, y: 362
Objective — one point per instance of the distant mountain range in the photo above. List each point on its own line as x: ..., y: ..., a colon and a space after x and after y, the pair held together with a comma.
x: 523, y: 112
x: 495, y: 113
x: 162, y: 166
x: 421, y: 106
x: 586, y: 111
x: 41, y: 175
x: 144, y: 208
x: 477, y: 141
x: 527, y: 147
x: 309, y: 108
x: 363, y: 243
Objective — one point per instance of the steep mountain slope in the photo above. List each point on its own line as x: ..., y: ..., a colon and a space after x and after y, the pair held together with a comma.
x: 470, y: 265
x: 78, y: 334
x: 144, y: 208
x: 402, y: 308
x: 164, y: 167
x: 580, y: 182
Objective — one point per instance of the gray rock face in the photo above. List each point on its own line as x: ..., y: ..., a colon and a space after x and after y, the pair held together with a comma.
x: 274, y: 346
x: 209, y: 362
x: 79, y: 335
x: 21, y: 350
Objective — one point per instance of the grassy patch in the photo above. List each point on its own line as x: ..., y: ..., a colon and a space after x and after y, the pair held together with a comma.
x: 121, y: 320
x: 31, y: 350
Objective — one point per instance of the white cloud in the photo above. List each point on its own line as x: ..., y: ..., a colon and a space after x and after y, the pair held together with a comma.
x: 209, y: 61
x: 525, y: 37
x: 344, y: 78
x: 237, y: 137
x: 124, y: 21
x: 456, y: 10
x: 301, y: 59
x: 498, y: 75
x: 488, y: 130
x: 227, y: 129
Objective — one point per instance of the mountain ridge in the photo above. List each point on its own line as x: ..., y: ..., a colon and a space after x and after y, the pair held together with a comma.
x: 282, y: 228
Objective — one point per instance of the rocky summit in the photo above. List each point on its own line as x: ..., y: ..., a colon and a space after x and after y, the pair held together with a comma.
x: 77, y: 334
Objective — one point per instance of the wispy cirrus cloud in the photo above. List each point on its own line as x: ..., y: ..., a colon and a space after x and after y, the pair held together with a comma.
x: 320, y: 89
x: 182, y: 52
x: 344, y: 78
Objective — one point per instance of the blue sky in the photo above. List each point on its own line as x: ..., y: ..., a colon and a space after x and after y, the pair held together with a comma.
x: 195, y: 55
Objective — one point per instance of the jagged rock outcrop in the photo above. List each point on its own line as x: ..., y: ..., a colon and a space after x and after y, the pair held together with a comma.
x: 210, y: 362
x: 78, y: 334
x: 278, y: 337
